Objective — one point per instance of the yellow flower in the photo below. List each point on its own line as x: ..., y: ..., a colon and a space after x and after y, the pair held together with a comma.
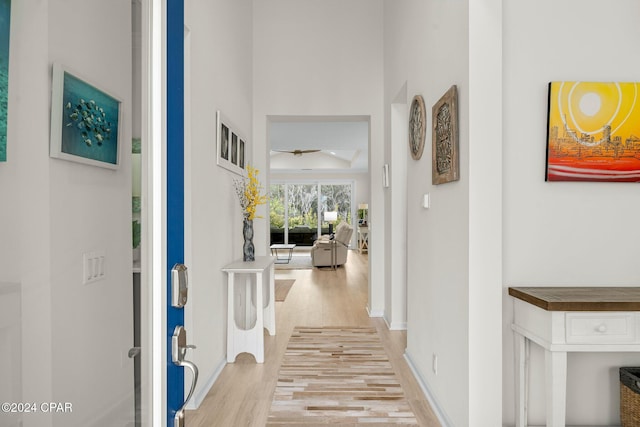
x: 248, y: 192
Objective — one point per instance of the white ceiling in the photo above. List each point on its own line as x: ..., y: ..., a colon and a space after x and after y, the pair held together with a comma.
x: 344, y: 144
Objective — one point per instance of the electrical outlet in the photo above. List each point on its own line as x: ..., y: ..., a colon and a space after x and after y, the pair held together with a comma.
x: 435, y: 364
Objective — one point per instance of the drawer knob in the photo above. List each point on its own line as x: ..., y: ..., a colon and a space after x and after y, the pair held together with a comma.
x: 602, y: 328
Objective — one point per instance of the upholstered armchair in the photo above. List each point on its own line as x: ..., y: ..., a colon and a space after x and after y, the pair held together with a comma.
x: 321, y: 250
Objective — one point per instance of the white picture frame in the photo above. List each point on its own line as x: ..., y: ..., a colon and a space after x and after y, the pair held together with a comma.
x: 86, y: 121
x: 232, y: 147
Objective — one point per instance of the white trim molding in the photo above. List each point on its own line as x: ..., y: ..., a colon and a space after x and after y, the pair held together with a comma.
x: 435, y: 406
x: 198, y: 398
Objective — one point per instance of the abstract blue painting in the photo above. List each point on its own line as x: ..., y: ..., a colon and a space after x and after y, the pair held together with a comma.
x: 5, y: 23
x: 85, y: 121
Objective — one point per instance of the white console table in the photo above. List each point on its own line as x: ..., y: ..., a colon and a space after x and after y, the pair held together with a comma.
x: 565, y: 319
x: 363, y: 239
x: 250, y: 339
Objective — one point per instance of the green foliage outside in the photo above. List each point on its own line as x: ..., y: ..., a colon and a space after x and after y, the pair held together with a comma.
x: 276, y: 206
x: 303, y: 204
x: 136, y: 231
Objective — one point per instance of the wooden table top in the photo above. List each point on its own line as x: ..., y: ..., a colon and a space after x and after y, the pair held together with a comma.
x: 580, y: 298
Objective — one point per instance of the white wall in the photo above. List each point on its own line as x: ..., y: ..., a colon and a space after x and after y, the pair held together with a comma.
x: 426, y: 47
x: 24, y: 182
x: 74, y: 336
x: 396, y: 229
x: 454, y: 247
x: 220, y: 75
x: 565, y: 233
x: 90, y: 209
x: 323, y: 58
x: 485, y: 212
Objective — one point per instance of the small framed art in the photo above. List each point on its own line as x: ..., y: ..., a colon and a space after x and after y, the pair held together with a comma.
x: 417, y: 127
x: 85, y: 121
x: 444, y: 139
x: 231, y: 147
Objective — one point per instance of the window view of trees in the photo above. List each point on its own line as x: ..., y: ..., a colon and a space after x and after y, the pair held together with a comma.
x: 276, y: 213
x: 337, y: 198
x: 303, y: 205
x: 294, y: 208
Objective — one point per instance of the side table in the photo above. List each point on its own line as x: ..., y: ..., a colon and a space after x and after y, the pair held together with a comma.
x: 363, y: 239
x: 569, y: 319
x: 280, y: 246
x: 247, y: 338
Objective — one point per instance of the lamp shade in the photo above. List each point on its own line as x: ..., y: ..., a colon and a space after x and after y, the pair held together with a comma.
x: 331, y: 216
x: 363, y: 206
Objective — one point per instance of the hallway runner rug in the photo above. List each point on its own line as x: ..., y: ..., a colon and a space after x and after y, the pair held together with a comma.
x: 338, y: 375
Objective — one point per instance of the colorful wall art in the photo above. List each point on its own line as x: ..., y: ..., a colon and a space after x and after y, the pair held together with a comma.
x: 593, y: 132
x: 85, y: 121
x: 5, y: 23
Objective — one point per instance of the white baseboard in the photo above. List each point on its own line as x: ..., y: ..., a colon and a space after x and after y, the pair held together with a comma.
x: 437, y: 409
x: 386, y: 322
x: 120, y: 412
x: 397, y: 326
x: 199, y: 396
x: 375, y: 313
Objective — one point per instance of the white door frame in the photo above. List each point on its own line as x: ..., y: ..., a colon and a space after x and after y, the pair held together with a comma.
x: 153, y: 280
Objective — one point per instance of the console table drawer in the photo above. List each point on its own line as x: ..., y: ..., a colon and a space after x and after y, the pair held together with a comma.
x: 600, y: 328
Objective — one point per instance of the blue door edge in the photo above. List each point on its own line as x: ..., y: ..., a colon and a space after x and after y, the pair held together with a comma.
x: 175, y: 189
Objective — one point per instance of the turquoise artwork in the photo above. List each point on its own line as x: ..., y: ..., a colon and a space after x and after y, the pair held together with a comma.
x: 5, y: 23
x: 89, y: 121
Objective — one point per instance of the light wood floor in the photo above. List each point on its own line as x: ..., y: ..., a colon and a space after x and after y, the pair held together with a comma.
x: 320, y: 297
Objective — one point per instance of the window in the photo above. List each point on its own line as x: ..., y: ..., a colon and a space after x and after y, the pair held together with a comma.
x: 297, y: 209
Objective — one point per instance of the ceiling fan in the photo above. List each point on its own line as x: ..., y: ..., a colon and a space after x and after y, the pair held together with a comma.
x: 297, y: 152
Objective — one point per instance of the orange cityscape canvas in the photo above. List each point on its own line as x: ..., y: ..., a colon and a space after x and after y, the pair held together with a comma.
x: 593, y: 132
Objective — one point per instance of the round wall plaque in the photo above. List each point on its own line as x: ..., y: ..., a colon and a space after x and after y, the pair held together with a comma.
x: 417, y: 127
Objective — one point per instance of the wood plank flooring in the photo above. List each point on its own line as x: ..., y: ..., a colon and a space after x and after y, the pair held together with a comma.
x: 244, y: 390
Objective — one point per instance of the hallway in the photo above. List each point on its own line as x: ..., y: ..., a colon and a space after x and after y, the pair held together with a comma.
x: 320, y: 297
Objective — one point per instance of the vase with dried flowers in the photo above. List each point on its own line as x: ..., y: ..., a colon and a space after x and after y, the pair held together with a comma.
x: 248, y: 190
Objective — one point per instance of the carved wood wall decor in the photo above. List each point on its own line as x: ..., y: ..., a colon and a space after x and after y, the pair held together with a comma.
x: 444, y: 143
x: 417, y: 127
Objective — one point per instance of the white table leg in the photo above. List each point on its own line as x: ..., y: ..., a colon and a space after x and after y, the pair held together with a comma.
x: 270, y: 304
x: 259, y: 350
x: 556, y: 387
x: 231, y: 322
x: 247, y: 302
x: 522, y: 379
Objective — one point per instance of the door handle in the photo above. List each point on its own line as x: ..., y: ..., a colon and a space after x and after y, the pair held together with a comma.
x: 133, y: 352
x: 179, y: 349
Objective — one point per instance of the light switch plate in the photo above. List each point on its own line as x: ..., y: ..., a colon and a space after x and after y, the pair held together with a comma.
x: 93, y: 267
x: 426, y: 202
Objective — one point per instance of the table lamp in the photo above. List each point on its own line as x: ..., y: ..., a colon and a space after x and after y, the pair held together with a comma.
x: 330, y: 217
